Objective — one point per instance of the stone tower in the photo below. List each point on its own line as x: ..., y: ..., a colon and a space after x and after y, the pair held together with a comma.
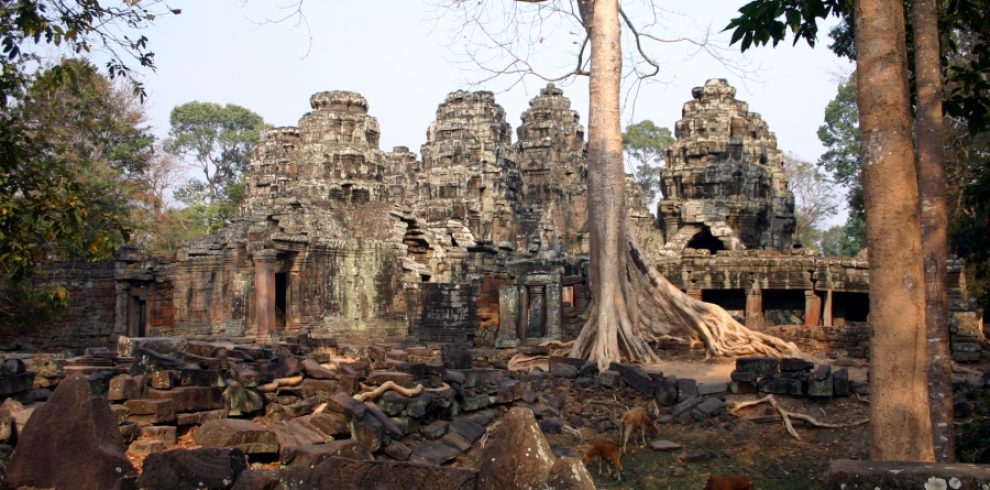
x: 468, y: 170
x: 554, y: 173
x: 724, y: 185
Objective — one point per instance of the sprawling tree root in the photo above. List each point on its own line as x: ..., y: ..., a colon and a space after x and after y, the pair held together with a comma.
x: 648, y: 308
x: 787, y: 416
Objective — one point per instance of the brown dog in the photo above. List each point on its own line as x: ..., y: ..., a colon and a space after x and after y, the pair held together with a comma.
x: 728, y: 483
x: 605, y: 450
x: 633, y: 418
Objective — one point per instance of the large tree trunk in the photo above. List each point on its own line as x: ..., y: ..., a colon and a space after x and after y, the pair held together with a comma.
x: 934, y: 216
x: 632, y: 303
x: 612, y: 336
x: 901, y: 419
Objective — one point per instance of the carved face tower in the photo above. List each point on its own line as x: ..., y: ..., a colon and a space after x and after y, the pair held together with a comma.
x: 724, y: 185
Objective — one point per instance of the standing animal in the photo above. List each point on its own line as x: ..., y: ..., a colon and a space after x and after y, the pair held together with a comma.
x: 728, y: 483
x: 605, y: 450
x: 633, y: 418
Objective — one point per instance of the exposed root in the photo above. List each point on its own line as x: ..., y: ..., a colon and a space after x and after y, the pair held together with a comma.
x: 388, y: 386
x: 646, y: 307
x: 520, y: 362
x: 280, y: 382
x: 787, y: 416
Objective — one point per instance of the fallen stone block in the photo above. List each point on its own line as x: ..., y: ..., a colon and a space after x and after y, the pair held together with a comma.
x: 712, y: 389
x: 380, y: 475
x: 378, y: 378
x: 868, y: 475
x: 72, y: 441
x: 397, y: 451
x: 518, y: 455
x: 710, y: 407
x: 289, y: 434
x: 636, y: 378
x: 314, y: 370
x: 761, y: 366
x: 244, y: 435
x: 191, y: 398
x: 311, y: 455
x: 343, y: 403
x: 327, y: 424
x: 150, y: 411
x: 434, y: 430
x: 126, y: 346
x: 144, y: 447
x: 198, y: 418
x: 370, y: 431
x: 687, y: 389
x: 16, y: 383
x: 125, y: 387
x: 782, y: 386
x: 217, y: 468
x: 666, y: 392
x: 608, y: 378
x: 433, y: 453
x: 791, y: 364
x: 241, y: 400
x: 167, y: 434
x: 571, y: 474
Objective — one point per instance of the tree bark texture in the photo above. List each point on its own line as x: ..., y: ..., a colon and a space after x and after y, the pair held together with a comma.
x: 632, y: 303
x: 934, y: 217
x: 898, y: 376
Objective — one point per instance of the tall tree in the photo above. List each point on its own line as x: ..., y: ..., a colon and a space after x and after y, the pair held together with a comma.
x: 45, y: 210
x: 632, y: 304
x: 75, y: 193
x: 840, y: 135
x: 934, y: 215
x: 218, y: 139
x: 814, y: 196
x: 646, y: 144
x: 898, y: 348
x: 902, y: 428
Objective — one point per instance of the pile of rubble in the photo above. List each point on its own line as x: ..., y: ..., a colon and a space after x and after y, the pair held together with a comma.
x: 307, y: 410
x: 794, y: 377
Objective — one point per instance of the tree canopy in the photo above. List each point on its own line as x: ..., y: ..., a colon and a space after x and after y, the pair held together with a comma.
x: 646, y: 144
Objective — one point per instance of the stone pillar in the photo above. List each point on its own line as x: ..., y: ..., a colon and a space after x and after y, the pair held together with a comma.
x: 508, y: 317
x: 828, y: 309
x: 264, y: 293
x: 812, y: 308
x: 554, y: 310
x: 754, y: 308
x: 523, y: 326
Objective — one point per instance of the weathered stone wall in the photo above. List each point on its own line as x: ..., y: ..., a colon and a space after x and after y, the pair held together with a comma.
x: 89, y: 316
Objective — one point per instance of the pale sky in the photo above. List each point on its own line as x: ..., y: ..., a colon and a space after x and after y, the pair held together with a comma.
x: 402, y: 55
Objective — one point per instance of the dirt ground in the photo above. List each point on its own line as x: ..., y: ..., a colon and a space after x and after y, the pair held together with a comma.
x: 752, y: 442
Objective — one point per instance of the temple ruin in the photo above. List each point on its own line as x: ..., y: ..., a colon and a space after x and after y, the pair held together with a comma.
x: 480, y: 240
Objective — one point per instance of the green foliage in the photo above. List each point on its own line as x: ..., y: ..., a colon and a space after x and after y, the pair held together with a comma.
x: 220, y: 140
x: 845, y: 240
x: 840, y: 135
x: 973, y: 433
x: 71, y: 155
x: 968, y: 168
x: 815, y: 199
x: 964, y: 27
x: 764, y: 21
x: 646, y: 144
x: 78, y: 26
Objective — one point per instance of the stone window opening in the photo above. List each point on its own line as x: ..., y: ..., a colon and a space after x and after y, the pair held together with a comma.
x: 136, y: 313
x: 704, y: 240
x: 784, y: 306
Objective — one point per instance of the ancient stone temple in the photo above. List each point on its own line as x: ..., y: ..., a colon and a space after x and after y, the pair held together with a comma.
x: 483, y: 239
x: 724, y: 185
